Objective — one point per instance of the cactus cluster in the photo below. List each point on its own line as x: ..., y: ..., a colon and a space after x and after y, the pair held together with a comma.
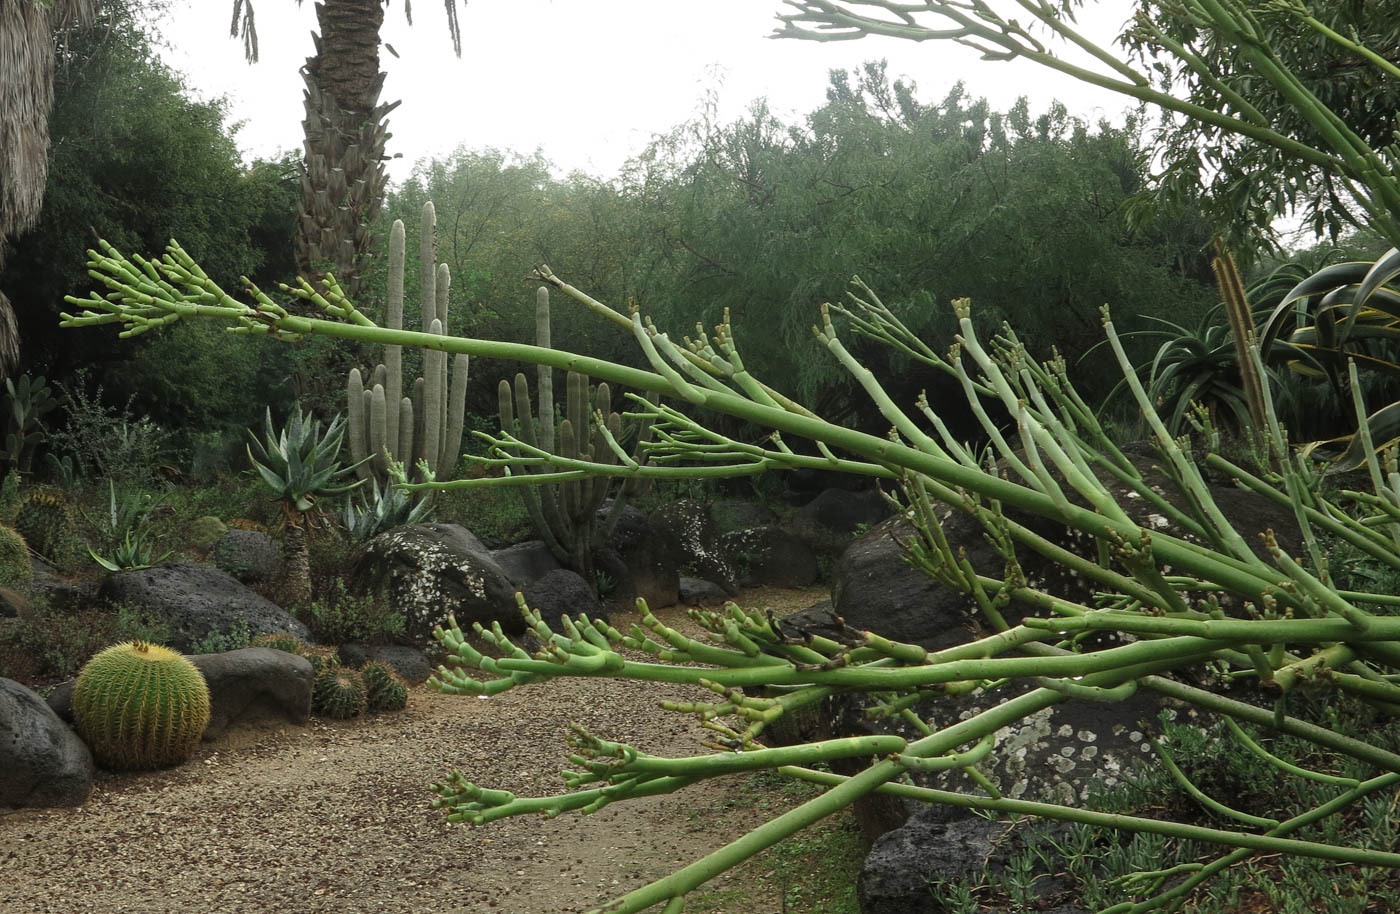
x: 385, y: 689
x: 30, y: 399
x: 423, y: 423
x: 45, y: 520
x: 565, y: 515
x: 140, y: 706
x: 339, y: 693
x: 15, y: 567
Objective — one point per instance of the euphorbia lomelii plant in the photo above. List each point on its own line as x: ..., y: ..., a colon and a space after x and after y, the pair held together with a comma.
x: 1163, y: 589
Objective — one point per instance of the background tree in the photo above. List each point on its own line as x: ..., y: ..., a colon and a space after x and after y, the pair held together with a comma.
x: 31, y: 32
x: 133, y: 158
x: 343, y: 134
x: 1245, y: 185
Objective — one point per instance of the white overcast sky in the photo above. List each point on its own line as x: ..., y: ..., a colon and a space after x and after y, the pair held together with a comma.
x: 587, y: 82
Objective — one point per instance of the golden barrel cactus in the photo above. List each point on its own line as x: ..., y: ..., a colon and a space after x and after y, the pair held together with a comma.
x: 140, y: 706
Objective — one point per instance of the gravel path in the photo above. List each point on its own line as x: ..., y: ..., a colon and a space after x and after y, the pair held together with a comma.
x: 334, y: 817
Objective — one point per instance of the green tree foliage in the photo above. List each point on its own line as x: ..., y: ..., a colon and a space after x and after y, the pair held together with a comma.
x: 134, y: 157
x: 1245, y: 184
x: 929, y: 201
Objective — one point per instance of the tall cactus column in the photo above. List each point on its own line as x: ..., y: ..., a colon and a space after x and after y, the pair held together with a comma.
x: 566, y: 515
x: 426, y: 425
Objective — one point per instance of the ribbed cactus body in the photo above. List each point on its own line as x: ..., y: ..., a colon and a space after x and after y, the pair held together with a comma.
x: 566, y: 515
x: 338, y: 693
x: 422, y: 420
x: 45, y: 520
x: 140, y: 706
x: 15, y: 567
x: 385, y: 690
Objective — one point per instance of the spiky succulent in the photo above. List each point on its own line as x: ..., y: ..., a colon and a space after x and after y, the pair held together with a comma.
x: 140, y: 706
x: 301, y: 462
x: 15, y: 567
x: 384, y: 688
x: 339, y: 693
x: 45, y: 520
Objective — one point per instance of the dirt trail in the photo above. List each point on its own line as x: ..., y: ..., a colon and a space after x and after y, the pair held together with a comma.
x: 334, y: 817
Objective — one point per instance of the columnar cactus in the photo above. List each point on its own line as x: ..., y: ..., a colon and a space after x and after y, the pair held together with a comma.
x: 566, y: 515
x: 140, y: 706
x: 425, y: 425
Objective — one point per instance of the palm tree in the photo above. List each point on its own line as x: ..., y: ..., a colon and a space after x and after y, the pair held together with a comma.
x: 344, y: 130
x: 31, y: 33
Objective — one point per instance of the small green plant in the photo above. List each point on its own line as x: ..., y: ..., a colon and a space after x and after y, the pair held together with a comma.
x: 131, y: 554
x: 379, y: 510
x: 107, y: 443
x: 385, y: 689
x: 339, y: 693
x: 237, y: 637
x: 346, y: 618
x: 140, y: 706
x: 280, y: 641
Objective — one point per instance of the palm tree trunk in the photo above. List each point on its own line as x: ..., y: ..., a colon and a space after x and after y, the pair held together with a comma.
x: 30, y: 32
x: 344, y: 132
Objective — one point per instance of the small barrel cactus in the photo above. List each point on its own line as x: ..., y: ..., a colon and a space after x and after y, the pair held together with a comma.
x: 140, y: 706
x: 339, y: 693
x: 322, y: 658
x: 15, y: 567
x: 45, y: 520
x: 203, y: 531
x: 384, y: 689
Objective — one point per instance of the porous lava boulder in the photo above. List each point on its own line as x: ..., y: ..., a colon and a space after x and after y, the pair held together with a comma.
x: 563, y: 593
x: 874, y: 589
x: 196, y: 601
x: 740, y: 514
x: 829, y: 522
x: 255, y: 683
x: 700, y: 592
x: 430, y: 571
x: 246, y: 685
x: 637, y: 562
x: 945, y: 843
x: 249, y: 555
x: 689, y: 532
x: 525, y: 563
x: 42, y: 761
x: 770, y: 556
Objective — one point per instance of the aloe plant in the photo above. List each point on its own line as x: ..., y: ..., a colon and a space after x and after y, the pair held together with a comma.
x: 301, y: 464
x: 381, y: 510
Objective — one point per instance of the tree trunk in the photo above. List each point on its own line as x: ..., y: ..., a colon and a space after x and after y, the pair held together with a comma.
x: 344, y: 132
x: 296, y: 571
x: 30, y: 33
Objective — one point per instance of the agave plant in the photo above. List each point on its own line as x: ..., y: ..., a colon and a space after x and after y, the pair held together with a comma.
x: 1344, y: 313
x: 381, y: 510
x: 301, y: 463
x: 122, y: 528
x: 132, y: 553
